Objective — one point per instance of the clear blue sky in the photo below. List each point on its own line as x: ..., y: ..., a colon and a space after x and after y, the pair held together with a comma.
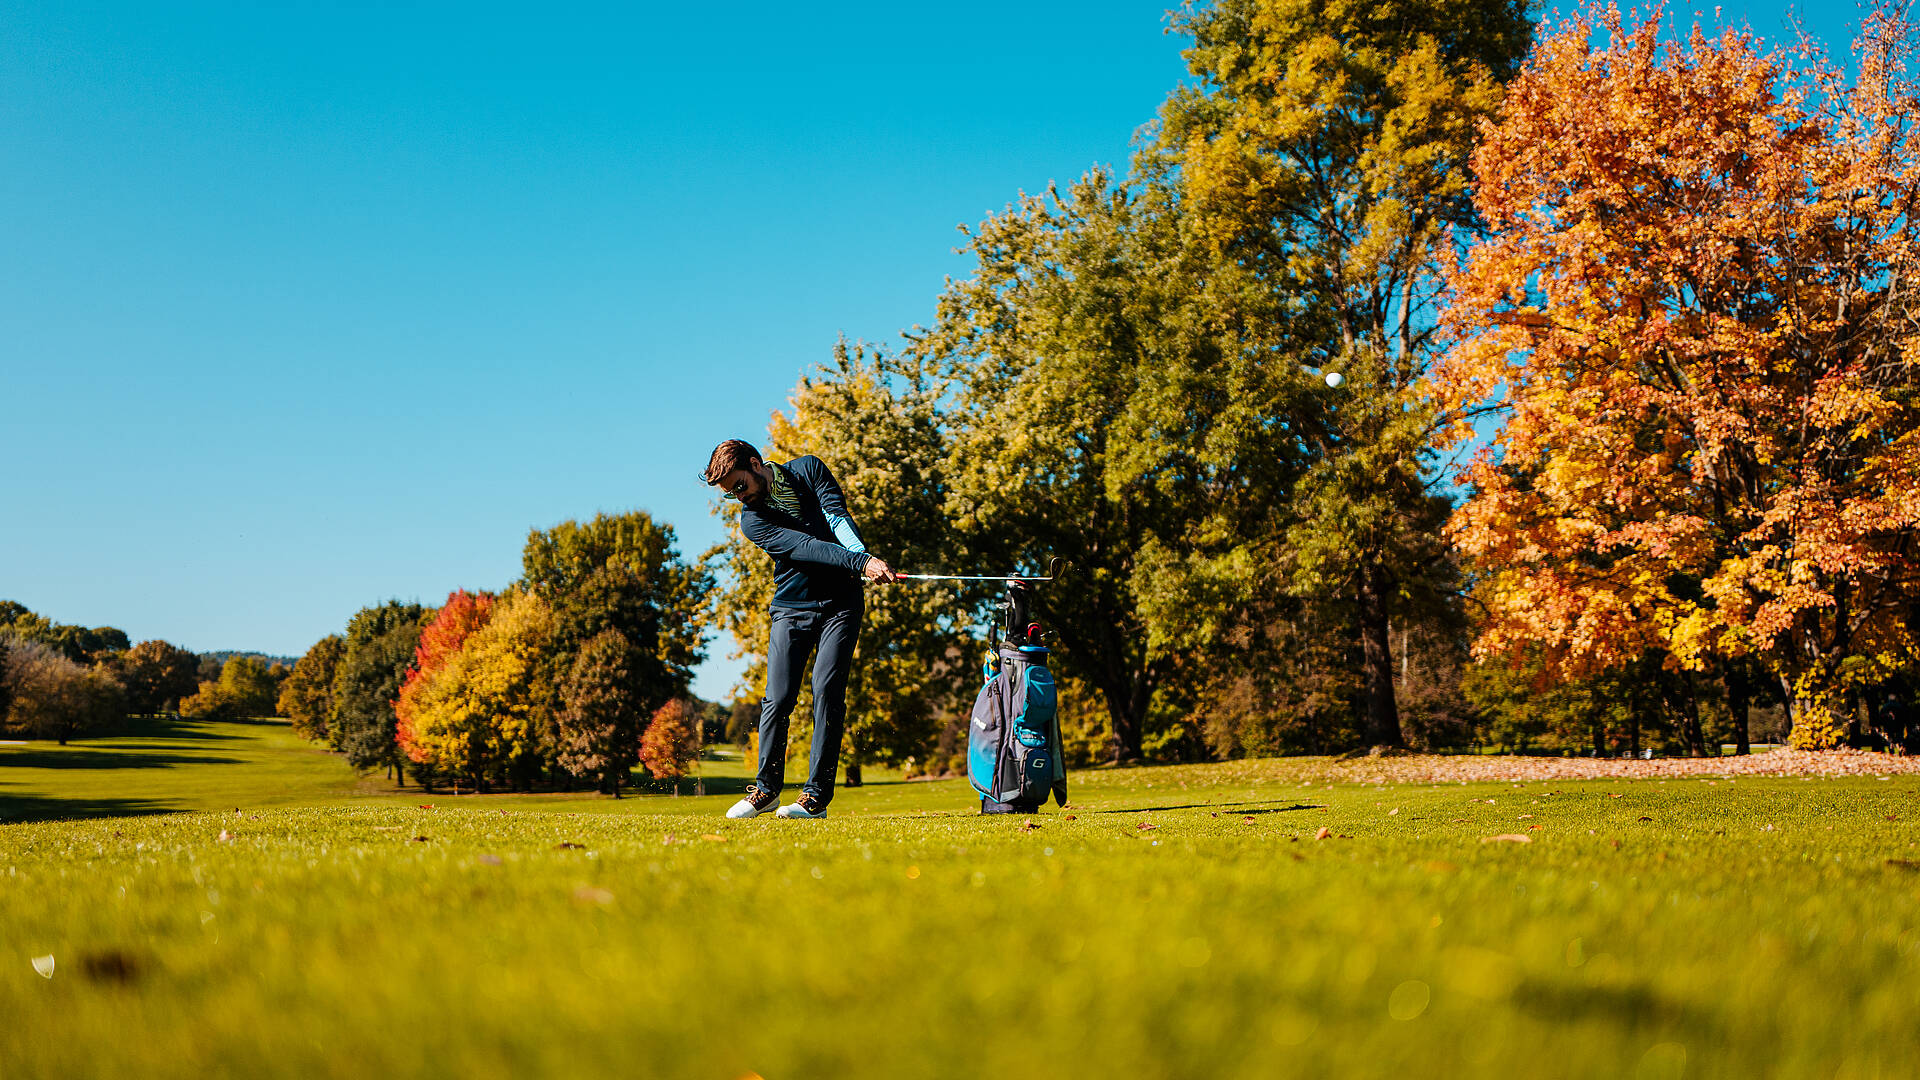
x: 303, y: 307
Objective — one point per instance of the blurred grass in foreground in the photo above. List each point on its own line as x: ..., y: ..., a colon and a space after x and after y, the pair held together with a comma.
x: 1183, y: 922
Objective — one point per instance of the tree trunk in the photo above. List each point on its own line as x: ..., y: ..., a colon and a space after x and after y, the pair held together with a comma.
x: 1633, y: 720
x: 1127, y: 710
x: 1126, y: 689
x: 1690, y: 713
x: 853, y: 774
x: 1738, y: 703
x: 1875, y: 726
x: 1383, y: 714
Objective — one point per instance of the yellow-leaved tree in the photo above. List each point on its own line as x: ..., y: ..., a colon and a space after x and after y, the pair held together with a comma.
x: 475, y: 715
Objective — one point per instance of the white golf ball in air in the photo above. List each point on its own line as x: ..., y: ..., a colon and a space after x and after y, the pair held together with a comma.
x: 1334, y: 379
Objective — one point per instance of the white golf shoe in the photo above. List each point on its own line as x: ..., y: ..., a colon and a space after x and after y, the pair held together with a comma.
x: 757, y: 802
x: 803, y: 807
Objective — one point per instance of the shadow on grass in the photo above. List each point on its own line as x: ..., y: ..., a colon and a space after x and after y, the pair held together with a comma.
x: 1216, y: 806
x: 93, y: 758
x: 1632, y: 1004
x: 24, y: 808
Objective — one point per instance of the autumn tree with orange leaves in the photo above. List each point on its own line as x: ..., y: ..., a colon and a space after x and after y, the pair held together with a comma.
x: 440, y: 639
x: 671, y: 742
x: 1697, y: 308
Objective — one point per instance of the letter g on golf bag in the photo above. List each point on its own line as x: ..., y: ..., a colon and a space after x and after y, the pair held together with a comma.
x: 1013, y: 742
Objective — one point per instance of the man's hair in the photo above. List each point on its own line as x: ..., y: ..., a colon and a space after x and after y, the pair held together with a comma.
x: 728, y: 456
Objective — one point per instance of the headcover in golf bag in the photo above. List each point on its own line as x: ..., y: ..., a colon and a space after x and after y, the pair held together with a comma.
x: 1013, y: 744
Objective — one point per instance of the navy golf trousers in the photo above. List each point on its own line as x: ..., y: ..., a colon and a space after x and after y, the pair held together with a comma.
x: 796, y: 633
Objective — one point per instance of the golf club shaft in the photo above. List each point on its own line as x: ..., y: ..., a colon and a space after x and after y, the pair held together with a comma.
x: 970, y: 577
x: 1054, y: 567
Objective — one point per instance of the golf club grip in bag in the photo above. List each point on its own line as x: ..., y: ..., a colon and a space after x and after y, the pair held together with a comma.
x: 1014, y: 757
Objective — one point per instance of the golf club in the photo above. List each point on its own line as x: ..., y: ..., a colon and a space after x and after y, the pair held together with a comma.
x: 1054, y: 568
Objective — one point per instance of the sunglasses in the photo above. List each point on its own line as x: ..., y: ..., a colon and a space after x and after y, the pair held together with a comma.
x: 735, y: 491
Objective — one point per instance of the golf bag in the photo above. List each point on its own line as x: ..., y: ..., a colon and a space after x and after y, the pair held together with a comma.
x: 1014, y: 757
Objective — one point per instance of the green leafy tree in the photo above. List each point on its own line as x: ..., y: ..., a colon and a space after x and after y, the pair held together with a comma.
x: 249, y: 684
x: 1321, y: 162
x: 306, y: 697
x: 379, y: 647
x: 875, y: 419
x: 246, y: 687
x: 77, y: 643
x: 600, y: 720
x: 622, y: 573
x: 1070, y: 438
x: 743, y: 719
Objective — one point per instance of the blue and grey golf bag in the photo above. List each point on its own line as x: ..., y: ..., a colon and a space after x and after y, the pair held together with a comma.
x: 1014, y: 754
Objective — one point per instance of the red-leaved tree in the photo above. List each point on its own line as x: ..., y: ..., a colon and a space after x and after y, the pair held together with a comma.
x: 460, y: 616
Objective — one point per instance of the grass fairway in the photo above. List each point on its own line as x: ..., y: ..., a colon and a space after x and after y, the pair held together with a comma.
x: 1183, y: 922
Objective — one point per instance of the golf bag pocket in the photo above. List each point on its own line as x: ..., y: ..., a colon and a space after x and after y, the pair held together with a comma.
x: 985, y: 733
x: 1013, y: 745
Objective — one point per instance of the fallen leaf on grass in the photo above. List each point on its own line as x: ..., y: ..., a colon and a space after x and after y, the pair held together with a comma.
x: 1393, y: 811
x: 1645, y: 818
x: 426, y: 806
x: 226, y: 837
x: 587, y: 894
x: 1611, y: 795
x: 1069, y: 817
x: 1028, y: 825
x: 1323, y: 833
x: 713, y: 838
x: 1524, y: 817
x: 44, y: 965
x: 489, y: 860
x: 420, y: 840
x: 1146, y: 825
x: 565, y: 845
x: 1510, y: 838
x: 1248, y: 819
x: 1904, y: 864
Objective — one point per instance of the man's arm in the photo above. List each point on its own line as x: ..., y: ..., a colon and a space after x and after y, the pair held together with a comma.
x: 798, y: 546
x: 833, y: 501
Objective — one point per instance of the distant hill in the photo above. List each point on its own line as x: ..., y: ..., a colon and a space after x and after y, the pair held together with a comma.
x: 224, y: 655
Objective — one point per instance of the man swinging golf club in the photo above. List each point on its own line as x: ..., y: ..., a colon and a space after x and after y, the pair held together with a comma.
x: 797, y: 513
